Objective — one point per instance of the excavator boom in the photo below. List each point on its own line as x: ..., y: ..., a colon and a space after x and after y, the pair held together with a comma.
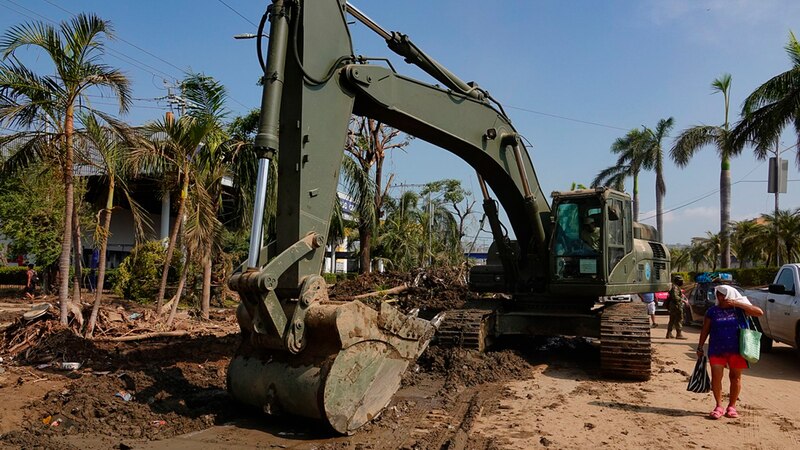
x: 341, y: 362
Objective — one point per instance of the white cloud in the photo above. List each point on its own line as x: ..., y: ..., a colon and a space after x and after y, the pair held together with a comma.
x: 701, y: 212
x: 703, y: 21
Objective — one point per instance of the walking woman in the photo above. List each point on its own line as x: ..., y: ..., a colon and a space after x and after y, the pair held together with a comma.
x: 722, y: 324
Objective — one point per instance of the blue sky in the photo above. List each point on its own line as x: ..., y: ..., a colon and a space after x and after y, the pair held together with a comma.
x: 573, y: 76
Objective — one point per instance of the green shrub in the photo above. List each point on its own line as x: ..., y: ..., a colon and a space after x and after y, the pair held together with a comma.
x: 139, y: 275
x: 330, y: 278
x: 750, y: 276
x: 14, y: 275
x: 688, y: 277
x: 110, y: 277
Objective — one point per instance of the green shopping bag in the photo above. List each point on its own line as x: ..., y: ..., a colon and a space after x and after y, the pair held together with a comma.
x: 749, y: 341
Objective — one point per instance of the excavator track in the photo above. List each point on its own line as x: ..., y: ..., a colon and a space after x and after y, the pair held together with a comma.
x: 625, y: 341
x: 466, y: 328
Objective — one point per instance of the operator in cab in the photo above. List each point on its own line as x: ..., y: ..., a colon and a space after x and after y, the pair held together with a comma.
x: 590, y: 234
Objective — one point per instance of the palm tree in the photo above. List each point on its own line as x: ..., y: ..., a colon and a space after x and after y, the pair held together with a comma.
x: 173, y: 144
x: 711, y: 247
x: 679, y: 258
x: 654, y: 158
x: 788, y: 225
x: 242, y: 160
x: 206, y: 99
x: 631, y: 160
x: 45, y: 105
x: 402, y: 236
x: 746, y: 242
x: 368, y: 141
x: 772, y: 106
x: 361, y: 188
x: 698, y: 255
x: 693, y: 139
x: 441, y: 233
x: 109, y: 148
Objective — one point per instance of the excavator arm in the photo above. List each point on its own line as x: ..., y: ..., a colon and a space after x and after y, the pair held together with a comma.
x: 342, y: 361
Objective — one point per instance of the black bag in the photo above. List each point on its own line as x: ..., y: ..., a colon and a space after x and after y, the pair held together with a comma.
x: 35, y: 278
x: 699, y: 382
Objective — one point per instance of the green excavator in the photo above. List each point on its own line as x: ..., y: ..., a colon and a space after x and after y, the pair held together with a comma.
x: 341, y: 362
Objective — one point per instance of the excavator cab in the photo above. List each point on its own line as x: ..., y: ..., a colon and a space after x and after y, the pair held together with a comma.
x: 594, y: 249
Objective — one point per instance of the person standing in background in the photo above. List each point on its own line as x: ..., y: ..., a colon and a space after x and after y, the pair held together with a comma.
x: 30, y: 285
x: 675, y: 303
x: 649, y: 299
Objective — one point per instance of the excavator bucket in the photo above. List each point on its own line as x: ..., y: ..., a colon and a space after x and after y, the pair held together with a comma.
x: 347, y: 373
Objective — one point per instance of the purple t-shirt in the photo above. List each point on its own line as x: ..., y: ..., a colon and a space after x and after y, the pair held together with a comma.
x: 724, y: 334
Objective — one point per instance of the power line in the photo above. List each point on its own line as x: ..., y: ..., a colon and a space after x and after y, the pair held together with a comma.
x: 116, y: 53
x: 587, y: 122
x: 127, y: 42
x: 231, y: 8
x: 148, y: 52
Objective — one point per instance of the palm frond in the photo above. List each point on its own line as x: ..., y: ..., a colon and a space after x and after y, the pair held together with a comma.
x: 691, y: 140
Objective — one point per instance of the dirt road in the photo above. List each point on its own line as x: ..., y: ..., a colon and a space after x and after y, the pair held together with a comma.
x: 561, y: 404
x: 543, y: 394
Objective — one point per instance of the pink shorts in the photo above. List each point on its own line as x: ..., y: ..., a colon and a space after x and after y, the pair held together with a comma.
x: 732, y: 360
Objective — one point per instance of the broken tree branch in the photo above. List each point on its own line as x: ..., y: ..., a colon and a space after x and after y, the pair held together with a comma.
x: 141, y: 337
x: 394, y: 290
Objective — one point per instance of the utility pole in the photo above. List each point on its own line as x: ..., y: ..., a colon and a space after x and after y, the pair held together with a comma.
x: 777, y: 181
x: 777, y: 197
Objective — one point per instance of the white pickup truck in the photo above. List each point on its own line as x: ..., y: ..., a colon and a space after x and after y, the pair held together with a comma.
x: 781, y: 305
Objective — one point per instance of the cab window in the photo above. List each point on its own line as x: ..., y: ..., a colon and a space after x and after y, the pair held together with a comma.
x: 786, y: 278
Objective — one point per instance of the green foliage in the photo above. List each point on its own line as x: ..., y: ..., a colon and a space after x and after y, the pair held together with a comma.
x: 751, y: 276
x: 14, y: 275
x: 139, y: 275
x: 687, y: 276
x: 32, y: 214
x: 110, y: 277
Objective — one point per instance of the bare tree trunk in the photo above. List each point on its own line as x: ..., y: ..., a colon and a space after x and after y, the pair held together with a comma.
x: 181, y: 284
x: 173, y: 240
x: 205, y: 301
x: 365, y: 240
x: 725, y: 213
x: 660, y: 207
x: 101, y: 270
x: 636, y: 197
x: 78, y: 255
x: 69, y: 205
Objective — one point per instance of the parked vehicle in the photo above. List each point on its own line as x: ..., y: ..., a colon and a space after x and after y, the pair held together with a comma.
x: 661, y: 298
x: 702, y: 297
x: 781, y: 305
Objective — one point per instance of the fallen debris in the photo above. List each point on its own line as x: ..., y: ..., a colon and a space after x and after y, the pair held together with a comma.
x: 141, y: 337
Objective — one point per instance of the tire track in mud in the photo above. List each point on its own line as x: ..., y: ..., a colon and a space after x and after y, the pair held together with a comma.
x: 449, y: 427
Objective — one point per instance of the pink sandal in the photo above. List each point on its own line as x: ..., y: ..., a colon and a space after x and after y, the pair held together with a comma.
x: 716, y: 413
x: 731, y: 412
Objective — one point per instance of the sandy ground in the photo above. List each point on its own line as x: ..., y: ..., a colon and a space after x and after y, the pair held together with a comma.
x: 571, y: 410
x: 562, y: 404
x: 531, y: 396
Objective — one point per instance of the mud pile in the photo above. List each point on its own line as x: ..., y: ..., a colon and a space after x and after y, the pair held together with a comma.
x: 147, y: 389
x: 466, y: 368
x: 433, y: 289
